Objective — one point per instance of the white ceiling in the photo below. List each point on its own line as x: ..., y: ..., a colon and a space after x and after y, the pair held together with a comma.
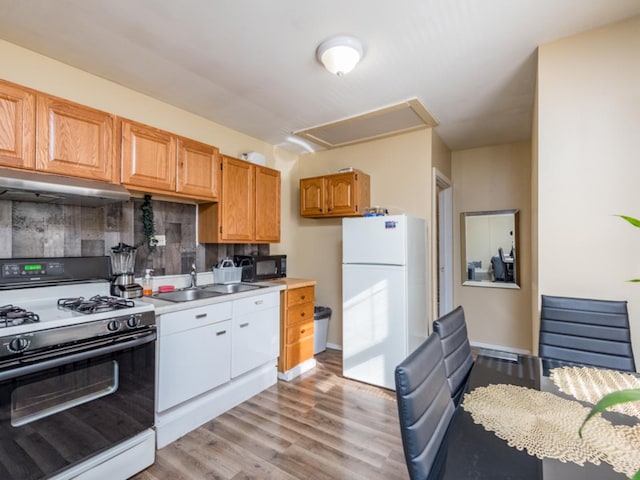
x: 250, y: 64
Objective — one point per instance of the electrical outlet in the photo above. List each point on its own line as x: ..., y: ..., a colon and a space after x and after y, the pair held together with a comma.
x: 161, y: 240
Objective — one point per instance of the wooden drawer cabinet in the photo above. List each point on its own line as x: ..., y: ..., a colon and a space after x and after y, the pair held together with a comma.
x: 296, y: 327
x: 299, y: 313
x: 298, y: 352
x: 302, y: 295
x: 340, y: 195
x: 17, y: 126
x: 299, y: 331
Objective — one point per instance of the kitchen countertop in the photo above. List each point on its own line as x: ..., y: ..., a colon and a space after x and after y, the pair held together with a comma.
x: 165, y: 306
x: 294, y: 282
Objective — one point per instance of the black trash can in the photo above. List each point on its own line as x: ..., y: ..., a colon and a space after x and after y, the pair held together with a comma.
x: 321, y: 316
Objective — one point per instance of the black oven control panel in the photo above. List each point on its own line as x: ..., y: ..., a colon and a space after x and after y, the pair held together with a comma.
x: 15, y: 272
x: 23, y: 269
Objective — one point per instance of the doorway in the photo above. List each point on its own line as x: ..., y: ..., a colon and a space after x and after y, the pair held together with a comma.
x: 443, y: 201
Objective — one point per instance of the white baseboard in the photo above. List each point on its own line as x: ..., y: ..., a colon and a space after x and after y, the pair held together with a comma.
x: 334, y: 346
x: 297, y: 370
x: 180, y: 420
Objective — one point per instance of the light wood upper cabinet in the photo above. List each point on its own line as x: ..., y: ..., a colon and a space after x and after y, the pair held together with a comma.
x: 75, y: 140
x: 198, y: 169
x: 267, y: 205
x: 237, y: 202
x: 17, y: 126
x: 312, y: 192
x: 339, y: 195
x: 148, y: 158
x: 249, y: 206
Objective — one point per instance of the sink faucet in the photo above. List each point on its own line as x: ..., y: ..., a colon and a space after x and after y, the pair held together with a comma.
x: 194, y: 276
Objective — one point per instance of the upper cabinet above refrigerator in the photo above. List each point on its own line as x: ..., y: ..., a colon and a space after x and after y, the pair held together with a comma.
x: 340, y: 195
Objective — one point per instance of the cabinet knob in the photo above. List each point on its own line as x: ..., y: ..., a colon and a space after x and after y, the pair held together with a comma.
x: 302, y: 314
x: 302, y: 297
x: 303, y: 330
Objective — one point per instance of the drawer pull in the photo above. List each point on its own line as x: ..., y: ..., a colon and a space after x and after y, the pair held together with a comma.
x: 302, y: 297
x: 302, y: 331
x: 245, y: 324
x: 201, y: 315
x: 222, y: 332
x: 259, y: 302
x: 302, y: 314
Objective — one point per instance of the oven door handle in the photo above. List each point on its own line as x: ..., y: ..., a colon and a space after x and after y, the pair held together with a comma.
x: 41, y: 363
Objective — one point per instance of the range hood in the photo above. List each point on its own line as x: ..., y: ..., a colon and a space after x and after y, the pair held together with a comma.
x: 26, y: 186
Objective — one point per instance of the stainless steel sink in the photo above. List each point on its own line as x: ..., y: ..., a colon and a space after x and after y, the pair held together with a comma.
x: 230, y: 288
x: 187, y: 295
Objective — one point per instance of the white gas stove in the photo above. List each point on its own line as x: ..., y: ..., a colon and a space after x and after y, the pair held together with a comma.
x: 73, y: 355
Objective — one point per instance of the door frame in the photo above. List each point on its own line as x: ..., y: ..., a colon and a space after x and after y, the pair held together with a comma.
x: 443, y: 213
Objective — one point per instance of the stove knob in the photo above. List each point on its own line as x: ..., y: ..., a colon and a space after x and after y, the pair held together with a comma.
x: 113, y: 326
x: 18, y: 344
x: 133, y: 321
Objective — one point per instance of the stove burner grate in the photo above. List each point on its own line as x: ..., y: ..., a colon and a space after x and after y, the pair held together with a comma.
x: 96, y: 304
x: 11, y: 315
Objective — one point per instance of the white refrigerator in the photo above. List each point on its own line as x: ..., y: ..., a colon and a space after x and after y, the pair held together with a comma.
x: 384, y: 295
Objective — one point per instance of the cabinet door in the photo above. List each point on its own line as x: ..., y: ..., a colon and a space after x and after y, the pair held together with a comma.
x: 237, y: 204
x: 312, y: 198
x: 192, y: 362
x: 341, y: 194
x: 198, y: 169
x: 148, y: 157
x: 267, y: 205
x: 298, y: 352
x: 17, y: 126
x: 255, y: 334
x: 75, y: 140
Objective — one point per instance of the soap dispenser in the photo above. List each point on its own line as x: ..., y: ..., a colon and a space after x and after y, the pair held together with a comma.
x: 147, y: 283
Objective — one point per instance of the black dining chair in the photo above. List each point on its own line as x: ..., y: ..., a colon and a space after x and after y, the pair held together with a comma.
x: 452, y: 330
x: 424, y: 407
x: 585, y: 331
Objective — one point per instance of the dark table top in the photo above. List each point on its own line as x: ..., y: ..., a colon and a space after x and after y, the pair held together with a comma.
x: 471, y: 452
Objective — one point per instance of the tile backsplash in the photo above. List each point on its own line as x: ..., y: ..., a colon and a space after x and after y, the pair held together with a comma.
x: 43, y: 230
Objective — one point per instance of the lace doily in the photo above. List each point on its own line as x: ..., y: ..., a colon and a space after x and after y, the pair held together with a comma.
x: 546, y: 425
x: 590, y: 384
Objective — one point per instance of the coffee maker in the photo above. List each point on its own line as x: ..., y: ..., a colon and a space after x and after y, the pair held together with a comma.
x: 123, y: 260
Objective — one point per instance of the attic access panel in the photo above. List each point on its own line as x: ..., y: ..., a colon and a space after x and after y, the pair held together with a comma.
x: 393, y: 120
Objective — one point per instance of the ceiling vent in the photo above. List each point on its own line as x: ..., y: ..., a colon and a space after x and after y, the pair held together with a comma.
x: 401, y: 118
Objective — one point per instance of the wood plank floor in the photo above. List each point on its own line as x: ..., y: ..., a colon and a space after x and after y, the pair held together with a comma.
x: 318, y: 426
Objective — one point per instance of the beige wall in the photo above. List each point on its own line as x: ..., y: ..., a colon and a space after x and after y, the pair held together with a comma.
x: 44, y: 74
x: 495, y: 178
x: 589, y: 166
x: 400, y: 170
x: 441, y: 155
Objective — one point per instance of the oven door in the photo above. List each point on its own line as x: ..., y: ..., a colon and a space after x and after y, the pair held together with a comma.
x: 59, y: 409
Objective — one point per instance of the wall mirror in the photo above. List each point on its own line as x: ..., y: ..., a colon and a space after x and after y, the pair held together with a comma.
x: 490, y: 248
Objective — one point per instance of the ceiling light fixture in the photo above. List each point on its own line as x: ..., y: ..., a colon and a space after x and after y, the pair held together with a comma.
x: 340, y: 54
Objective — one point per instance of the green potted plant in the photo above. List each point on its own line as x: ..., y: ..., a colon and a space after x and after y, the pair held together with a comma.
x: 621, y: 396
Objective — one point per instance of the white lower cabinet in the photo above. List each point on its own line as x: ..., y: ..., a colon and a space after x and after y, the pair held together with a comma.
x: 212, y: 358
x: 256, y: 323
x: 194, y: 353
